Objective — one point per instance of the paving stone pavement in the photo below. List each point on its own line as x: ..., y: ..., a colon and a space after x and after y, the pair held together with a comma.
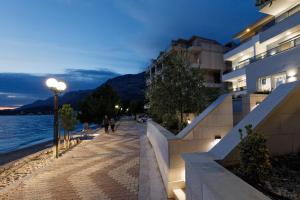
x: 104, y: 168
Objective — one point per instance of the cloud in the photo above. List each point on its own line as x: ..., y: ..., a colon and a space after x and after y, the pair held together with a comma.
x: 32, y: 56
x: 20, y: 88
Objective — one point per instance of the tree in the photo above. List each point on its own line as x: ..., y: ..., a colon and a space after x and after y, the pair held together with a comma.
x: 98, y: 104
x: 263, y: 2
x: 68, y: 121
x: 136, y: 107
x: 254, y: 156
x: 179, y: 89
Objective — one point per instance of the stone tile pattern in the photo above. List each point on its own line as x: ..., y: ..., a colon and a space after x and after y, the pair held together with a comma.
x: 104, y: 168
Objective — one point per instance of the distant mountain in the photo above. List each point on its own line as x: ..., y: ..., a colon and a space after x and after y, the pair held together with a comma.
x: 72, y: 98
x: 129, y: 87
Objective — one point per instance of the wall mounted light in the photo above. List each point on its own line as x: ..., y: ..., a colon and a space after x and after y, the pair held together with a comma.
x: 217, y: 139
x: 292, y: 75
x: 189, y: 121
x: 273, y: 53
x: 292, y: 79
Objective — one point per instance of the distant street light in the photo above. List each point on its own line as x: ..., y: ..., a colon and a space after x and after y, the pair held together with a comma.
x: 56, y: 87
x: 117, y: 106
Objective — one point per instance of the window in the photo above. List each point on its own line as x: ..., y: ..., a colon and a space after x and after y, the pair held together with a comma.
x: 264, y: 84
x: 268, y: 83
x: 239, y: 85
x: 279, y: 79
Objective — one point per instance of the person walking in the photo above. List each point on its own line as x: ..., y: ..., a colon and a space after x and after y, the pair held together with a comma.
x: 112, y: 124
x: 106, y: 123
x: 85, y: 129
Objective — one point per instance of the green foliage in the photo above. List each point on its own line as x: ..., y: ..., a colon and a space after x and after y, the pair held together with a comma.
x: 170, y: 121
x: 262, y: 2
x: 67, y: 117
x: 98, y: 104
x: 254, y: 156
x: 179, y: 89
x: 68, y: 121
x: 136, y: 107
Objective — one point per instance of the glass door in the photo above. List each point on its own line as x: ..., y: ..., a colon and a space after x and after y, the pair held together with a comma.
x: 279, y: 79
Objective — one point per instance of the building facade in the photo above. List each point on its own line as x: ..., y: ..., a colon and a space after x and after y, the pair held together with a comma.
x: 269, y: 50
x: 203, y: 53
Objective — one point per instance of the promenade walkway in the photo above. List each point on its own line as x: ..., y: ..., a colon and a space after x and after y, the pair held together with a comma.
x: 106, y: 167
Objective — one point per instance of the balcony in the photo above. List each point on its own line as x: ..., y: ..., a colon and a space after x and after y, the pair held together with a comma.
x: 290, y: 23
x: 282, y: 47
x: 274, y: 8
x: 234, y: 75
x: 245, y: 47
x: 287, y: 14
x: 239, y: 91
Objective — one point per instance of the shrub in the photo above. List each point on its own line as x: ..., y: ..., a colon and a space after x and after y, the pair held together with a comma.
x: 68, y: 122
x: 255, y: 162
x: 170, y: 122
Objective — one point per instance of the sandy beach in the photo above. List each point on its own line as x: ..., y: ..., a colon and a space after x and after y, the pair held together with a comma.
x: 21, y: 153
x: 18, y: 164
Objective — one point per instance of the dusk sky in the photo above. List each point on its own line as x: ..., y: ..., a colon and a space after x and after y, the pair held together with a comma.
x: 85, y: 42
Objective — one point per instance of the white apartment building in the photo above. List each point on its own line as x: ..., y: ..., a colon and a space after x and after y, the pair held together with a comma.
x: 268, y: 57
x: 269, y: 50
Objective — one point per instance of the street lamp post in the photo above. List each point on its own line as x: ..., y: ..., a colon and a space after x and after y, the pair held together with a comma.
x: 56, y: 87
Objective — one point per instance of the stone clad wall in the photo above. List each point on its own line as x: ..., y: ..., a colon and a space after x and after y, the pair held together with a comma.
x: 199, y: 136
x: 282, y: 127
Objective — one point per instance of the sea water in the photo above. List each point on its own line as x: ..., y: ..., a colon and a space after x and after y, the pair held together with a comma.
x: 20, y: 131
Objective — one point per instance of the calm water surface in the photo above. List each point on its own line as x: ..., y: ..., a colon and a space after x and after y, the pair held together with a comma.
x: 17, y: 132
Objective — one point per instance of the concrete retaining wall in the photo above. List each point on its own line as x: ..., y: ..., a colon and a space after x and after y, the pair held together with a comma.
x: 199, y: 136
x: 158, y: 137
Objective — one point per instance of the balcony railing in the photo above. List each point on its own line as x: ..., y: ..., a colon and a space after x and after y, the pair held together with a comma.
x: 287, y: 14
x: 271, y: 23
x: 282, y: 47
x: 242, y: 64
x: 239, y: 89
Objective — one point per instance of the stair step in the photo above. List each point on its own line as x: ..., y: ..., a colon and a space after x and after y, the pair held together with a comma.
x: 179, y: 194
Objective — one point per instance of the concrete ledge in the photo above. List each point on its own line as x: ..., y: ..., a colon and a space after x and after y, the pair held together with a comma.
x: 207, y: 180
x: 158, y: 137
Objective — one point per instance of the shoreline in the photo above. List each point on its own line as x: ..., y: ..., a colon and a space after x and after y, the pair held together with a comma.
x: 18, y: 154
x: 15, y: 155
